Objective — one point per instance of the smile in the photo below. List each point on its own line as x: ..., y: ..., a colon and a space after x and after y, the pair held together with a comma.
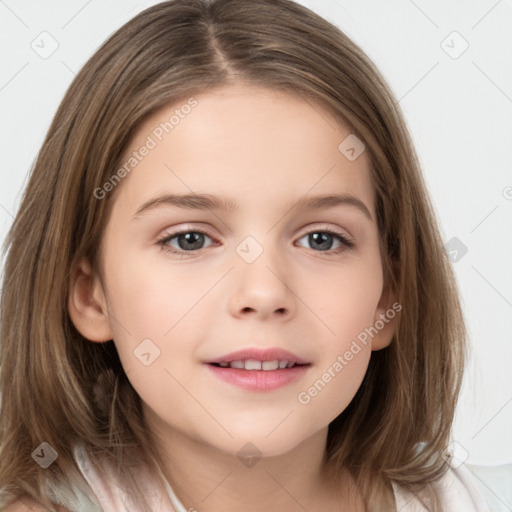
x: 254, y: 375
x: 253, y: 364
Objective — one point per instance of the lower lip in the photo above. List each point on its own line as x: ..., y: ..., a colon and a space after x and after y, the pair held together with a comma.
x: 259, y: 380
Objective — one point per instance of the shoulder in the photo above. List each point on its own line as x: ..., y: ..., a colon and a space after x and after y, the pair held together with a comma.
x: 30, y: 506
x: 494, y: 482
x: 456, y: 490
x: 460, y: 486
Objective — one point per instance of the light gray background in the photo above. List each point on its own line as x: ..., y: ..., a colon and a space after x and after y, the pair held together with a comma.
x: 459, y: 110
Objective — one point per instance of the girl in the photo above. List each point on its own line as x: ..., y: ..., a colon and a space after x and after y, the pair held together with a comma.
x: 225, y: 288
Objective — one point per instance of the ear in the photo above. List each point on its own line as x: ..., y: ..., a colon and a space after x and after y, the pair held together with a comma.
x: 385, y: 320
x: 87, y: 305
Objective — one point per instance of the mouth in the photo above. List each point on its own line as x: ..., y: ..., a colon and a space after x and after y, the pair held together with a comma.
x: 256, y: 369
x: 259, y: 376
x: 255, y: 365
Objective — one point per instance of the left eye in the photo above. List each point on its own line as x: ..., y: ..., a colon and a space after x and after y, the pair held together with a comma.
x: 324, y: 240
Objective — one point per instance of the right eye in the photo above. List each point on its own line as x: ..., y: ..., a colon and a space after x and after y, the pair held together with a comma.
x: 184, y: 241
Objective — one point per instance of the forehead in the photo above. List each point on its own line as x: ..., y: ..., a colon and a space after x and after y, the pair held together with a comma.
x: 245, y: 142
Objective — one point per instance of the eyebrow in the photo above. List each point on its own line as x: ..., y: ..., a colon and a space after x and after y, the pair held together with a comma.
x: 216, y: 203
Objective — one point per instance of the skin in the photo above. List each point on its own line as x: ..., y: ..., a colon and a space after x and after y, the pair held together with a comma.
x: 265, y: 149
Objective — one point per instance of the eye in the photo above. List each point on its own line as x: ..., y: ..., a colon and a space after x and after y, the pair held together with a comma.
x: 189, y: 241
x: 323, y: 241
x: 185, y: 241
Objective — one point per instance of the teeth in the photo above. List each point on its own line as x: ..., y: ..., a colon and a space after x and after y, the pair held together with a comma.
x: 253, y: 364
x: 270, y: 365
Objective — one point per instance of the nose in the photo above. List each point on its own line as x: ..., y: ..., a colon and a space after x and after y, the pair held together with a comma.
x: 262, y: 289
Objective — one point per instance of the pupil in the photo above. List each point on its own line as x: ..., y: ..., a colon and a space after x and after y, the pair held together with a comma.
x: 190, y: 240
x: 323, y: 240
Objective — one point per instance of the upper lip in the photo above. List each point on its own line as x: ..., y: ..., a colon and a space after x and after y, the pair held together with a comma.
x: 259, y: 354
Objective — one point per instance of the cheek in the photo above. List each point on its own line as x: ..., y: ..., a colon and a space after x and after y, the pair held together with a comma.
x: 150, y: 300
x: 333, y: 386
x: 346, y: 353
x: 345, y: 301
x: 345, y: 306
x: 150, y: 295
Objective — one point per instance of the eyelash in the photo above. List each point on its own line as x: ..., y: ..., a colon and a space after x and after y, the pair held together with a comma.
x: 347, y: 244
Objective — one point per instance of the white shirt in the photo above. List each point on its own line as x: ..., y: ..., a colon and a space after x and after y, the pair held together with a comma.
x: 458, y: 492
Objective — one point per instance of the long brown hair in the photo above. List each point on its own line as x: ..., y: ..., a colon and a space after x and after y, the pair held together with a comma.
x: 398, y: 424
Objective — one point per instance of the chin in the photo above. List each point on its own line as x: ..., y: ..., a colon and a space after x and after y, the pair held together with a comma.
x: 256, y: 444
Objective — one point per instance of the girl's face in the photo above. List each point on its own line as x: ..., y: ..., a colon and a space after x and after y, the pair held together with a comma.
x: 253, y: 272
